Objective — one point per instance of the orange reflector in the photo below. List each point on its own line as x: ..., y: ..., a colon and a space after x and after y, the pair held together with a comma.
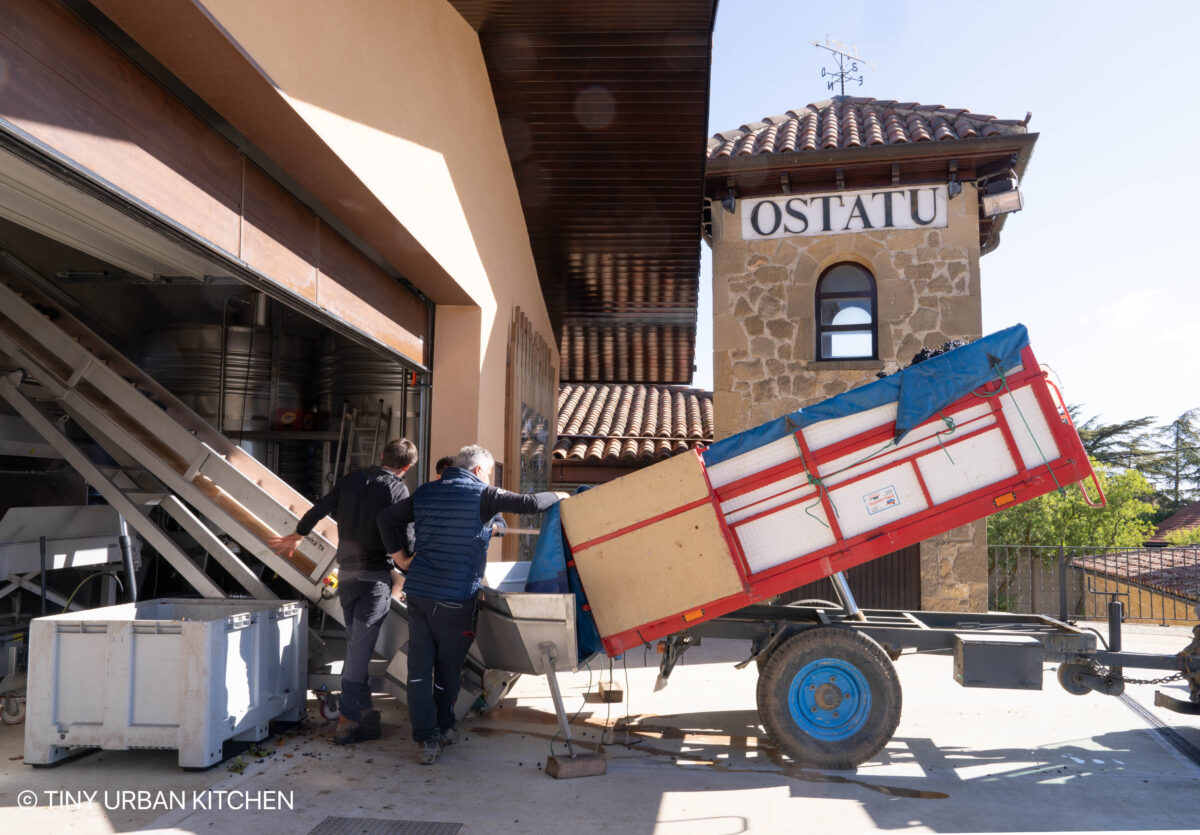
x: 695, y: 614
x: 1004, y: 498
x: 662, y: 647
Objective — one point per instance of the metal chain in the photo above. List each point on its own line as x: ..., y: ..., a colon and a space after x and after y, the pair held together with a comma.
x: 1107, y: 672
x: 1163, y: 680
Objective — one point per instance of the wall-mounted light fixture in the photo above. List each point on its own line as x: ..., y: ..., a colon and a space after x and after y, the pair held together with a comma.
x: 1001, y: 195
x: 728, y: 202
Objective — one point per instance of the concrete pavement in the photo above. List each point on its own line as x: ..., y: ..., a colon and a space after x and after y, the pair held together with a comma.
x: 693, y: 759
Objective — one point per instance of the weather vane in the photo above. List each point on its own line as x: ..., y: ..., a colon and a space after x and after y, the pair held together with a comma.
x: 848, y: 61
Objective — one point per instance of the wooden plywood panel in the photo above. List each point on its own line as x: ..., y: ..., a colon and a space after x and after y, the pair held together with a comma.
x: 635, y: 498
x: 662, y: 569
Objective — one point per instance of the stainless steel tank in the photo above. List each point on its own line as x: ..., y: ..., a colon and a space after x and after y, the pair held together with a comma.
x: 378, y: 386
x: 301, y: 464
x: 187, y: 360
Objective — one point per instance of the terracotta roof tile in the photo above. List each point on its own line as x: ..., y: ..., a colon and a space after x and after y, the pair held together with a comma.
x: 631, y: 423
x: 1175, y: 571
x: 1184, y: 519
x: 848, y: 122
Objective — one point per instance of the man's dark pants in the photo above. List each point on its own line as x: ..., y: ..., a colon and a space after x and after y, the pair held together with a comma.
x: 440, y: 633
x: 365, y: 603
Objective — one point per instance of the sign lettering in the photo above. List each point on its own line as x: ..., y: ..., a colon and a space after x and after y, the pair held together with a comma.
x: 914, y: 207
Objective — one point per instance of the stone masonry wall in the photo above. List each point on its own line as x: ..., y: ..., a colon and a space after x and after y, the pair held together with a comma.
x: 764, y: 341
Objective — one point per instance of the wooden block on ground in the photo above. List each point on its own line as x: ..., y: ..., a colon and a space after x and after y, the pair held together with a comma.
x: 611, y: 692
x: 584, y: 765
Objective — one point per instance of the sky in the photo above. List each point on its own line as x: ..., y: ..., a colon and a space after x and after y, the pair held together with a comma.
x: 1099, y: 264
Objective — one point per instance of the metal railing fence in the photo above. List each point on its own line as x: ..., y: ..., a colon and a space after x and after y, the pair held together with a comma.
x: 1156, y: 585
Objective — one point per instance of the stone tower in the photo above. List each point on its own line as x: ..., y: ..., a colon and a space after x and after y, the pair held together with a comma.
x: 846, y: 236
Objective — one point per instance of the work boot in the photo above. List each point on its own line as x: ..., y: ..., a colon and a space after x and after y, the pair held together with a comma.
x: 370, y: 717
x: 449, y: 737
x: 428, y: 751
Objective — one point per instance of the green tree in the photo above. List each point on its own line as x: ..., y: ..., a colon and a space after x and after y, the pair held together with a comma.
x: 1126, y: 444
x: 1175, y: 466
x: 1189, y: 536
x: 1065, y: 518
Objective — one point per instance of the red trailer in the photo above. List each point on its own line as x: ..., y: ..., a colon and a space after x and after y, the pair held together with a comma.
x: 853, y: 478
x: 696, y: 545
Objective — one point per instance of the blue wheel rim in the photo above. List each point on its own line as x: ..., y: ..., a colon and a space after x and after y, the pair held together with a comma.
x: 829, y: 699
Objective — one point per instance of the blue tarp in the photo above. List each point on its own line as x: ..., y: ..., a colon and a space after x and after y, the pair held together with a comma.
x: 921, y: 390
x: 550, y: 574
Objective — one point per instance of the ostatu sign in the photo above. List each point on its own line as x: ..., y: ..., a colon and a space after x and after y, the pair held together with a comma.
x: 842, y: 212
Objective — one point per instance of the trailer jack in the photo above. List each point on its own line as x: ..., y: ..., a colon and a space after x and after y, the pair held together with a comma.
x: 1161, y: 699
x: 1192, y: 706
x: 672, y: 649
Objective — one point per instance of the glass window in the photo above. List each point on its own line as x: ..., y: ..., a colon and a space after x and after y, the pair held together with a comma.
x: 846, y: 314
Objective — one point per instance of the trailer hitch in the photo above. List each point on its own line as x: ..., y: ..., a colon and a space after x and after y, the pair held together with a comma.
x: 1188, y: 657
x: 1086, y: 673
x: 1191, y: 673
x: 1192, y: 650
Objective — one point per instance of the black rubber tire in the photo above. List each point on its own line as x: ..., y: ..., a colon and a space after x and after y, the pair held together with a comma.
x: 867, y: 658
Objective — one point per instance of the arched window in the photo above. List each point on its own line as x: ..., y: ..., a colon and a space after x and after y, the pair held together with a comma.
x: 846, y: 314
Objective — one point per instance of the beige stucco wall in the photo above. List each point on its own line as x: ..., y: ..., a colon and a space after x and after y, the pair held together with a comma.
x: 764, y: 340
x: 399, y: 91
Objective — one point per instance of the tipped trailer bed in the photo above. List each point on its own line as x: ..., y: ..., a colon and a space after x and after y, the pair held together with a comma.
x: 813, y: 493
x: 698, y: 545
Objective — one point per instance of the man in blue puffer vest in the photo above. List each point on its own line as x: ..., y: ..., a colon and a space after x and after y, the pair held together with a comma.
x: 453, y: 525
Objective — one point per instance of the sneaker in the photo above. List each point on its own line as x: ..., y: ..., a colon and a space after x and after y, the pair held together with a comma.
x: 358, y: 732
x: 428, y: 751
x: 449, y: 737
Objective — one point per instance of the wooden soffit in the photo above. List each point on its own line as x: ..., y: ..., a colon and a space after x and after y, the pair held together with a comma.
x: 604, y: 109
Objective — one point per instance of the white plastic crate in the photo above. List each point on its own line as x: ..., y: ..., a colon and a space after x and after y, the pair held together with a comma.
x: 173, y: 673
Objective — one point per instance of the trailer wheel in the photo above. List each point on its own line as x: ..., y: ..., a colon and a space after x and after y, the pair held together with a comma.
x: 829, y: 698
x: 1070, y: 676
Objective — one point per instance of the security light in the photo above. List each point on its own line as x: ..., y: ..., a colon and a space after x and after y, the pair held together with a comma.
x: 1001, y: 195
x: 1006, y: 201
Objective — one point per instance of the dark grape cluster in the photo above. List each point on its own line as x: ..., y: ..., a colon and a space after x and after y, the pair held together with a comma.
x: 929, y: 353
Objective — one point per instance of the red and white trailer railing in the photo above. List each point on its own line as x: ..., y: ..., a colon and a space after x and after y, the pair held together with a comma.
x: 713, y: 531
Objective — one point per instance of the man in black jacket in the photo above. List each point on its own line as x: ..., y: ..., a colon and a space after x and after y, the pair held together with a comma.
x: 364, y: 574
